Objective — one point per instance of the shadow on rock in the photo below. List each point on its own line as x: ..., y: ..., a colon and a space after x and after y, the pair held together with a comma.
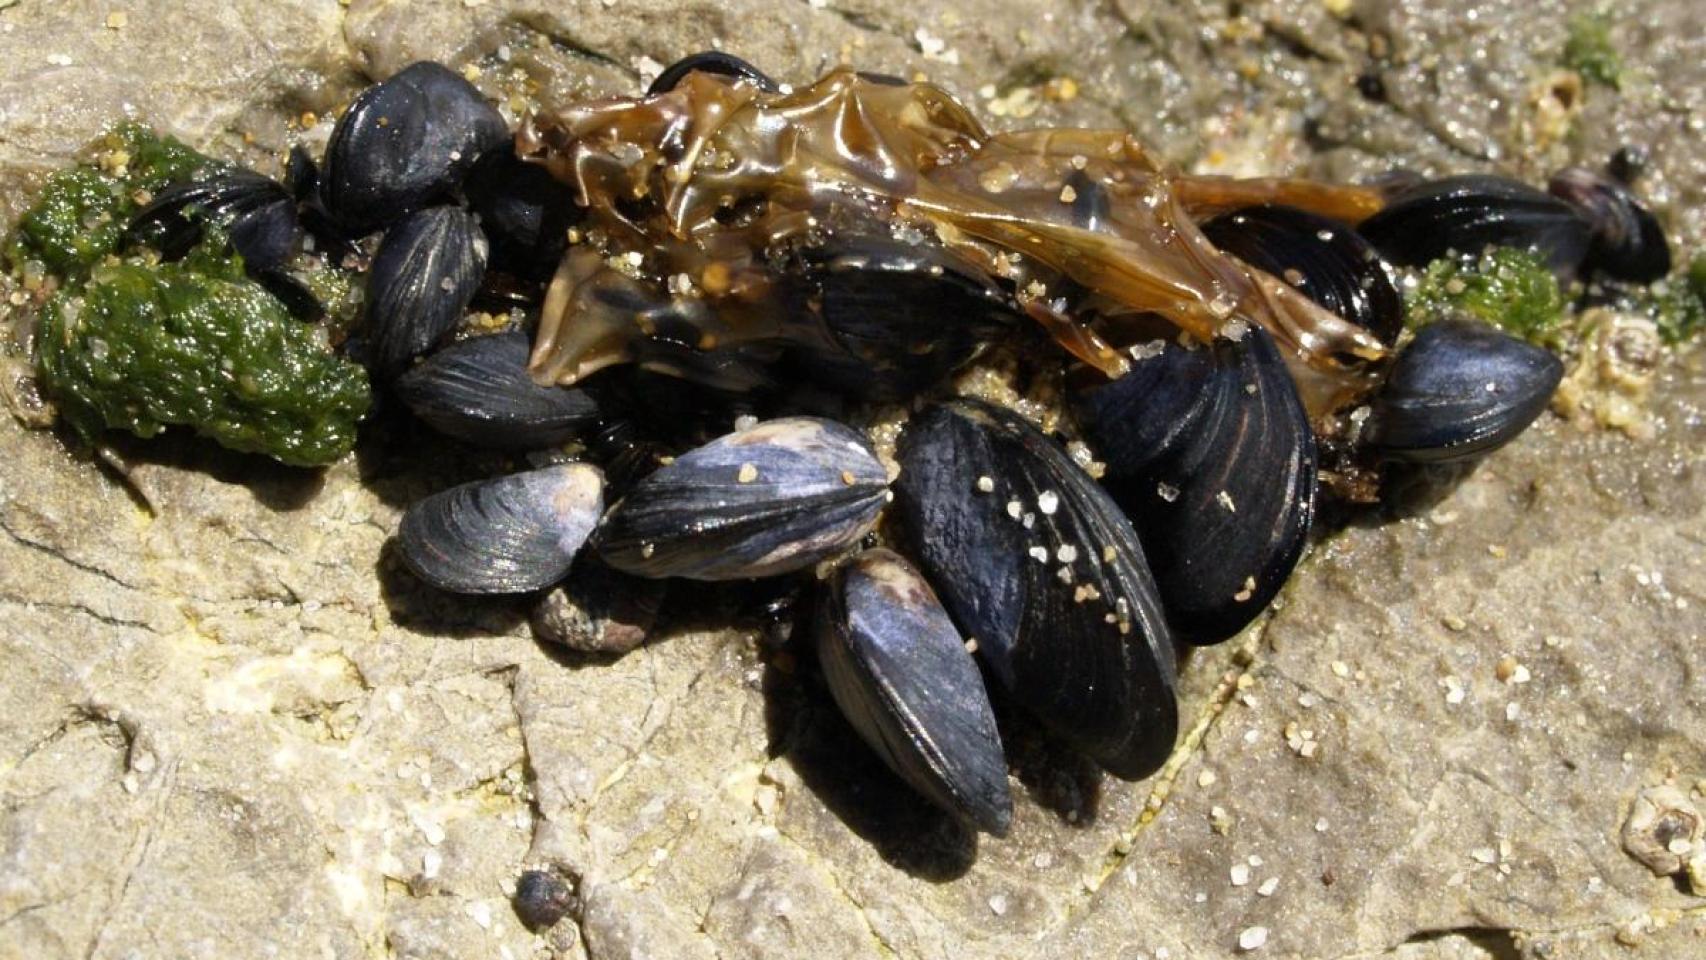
x: 430, y: 612
x: 276, y: 486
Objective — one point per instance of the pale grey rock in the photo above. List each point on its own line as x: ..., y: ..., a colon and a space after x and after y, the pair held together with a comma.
x: 230, y: 726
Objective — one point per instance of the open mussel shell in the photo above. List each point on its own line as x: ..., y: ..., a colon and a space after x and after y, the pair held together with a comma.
x: 478, y: 391
x: 257, y: 214
x: 882, y: 318
x: 1467, y: 214
x: 1210, y: 453
x: 1628, y: 242
x: 711, y: 61
x: 774, y: 498
x: 902, y: 676
x: 405, y: 143
x: 426, y: 272
x: 1324, y: 259
x: 512, y: 534
x: 1037, y: 564
x: 1459, y: 390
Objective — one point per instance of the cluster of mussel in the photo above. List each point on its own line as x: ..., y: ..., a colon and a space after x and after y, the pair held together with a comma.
x: 1071, y: 593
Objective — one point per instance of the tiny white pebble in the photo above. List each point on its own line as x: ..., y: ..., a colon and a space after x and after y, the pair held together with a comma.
x: 998, y: 904
x: 1015, y: 509
x: 1048, y: 501
x: 1067, y: 553
x: 1039, y: 554
x: 1268, y: 886
x: 748, y: 473
x: 1321, y: 825
x: 1253, y: 938
x: 1240, y: 874
x: 985, y: 485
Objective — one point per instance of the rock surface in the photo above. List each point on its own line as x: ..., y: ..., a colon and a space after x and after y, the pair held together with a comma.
x: 230, y: 727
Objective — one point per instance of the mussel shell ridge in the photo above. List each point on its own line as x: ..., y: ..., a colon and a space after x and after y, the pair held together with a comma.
x: 1465, y: 215
x: 512, y: 534
x: 427, y: 270
x: 1210, y: 453
x: 903, y: 678
x: 478, y: 391
x: 1037, y: 564
x: 777, y: 497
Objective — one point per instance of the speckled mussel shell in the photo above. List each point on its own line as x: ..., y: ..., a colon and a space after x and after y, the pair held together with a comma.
x: 902, y: 676
x: 1210, y: 453
x: 1325, y: 260
x: 1038, y: 565
x: 511, y: 534
x: 774, y: 498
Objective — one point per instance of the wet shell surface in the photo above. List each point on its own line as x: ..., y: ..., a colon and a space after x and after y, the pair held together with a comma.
x: 405, y: 143
x: 1628, y: 242
x: 1038, y: 566
x: 777, y: 497
x: 512, y: 534
x: 1210, y: 453
x: 902, y: 676
x: 1324, y: 259
x: 257, y: 214
x: 1465, y: 215
x: 1458, y: 391
x: 427, y: 270
x: 478, y: 391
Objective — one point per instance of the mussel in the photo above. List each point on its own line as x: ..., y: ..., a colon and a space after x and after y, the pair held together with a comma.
x: 1324, y: 259
x: 711, y: 61
x: 1628, y: 242
x: 776, y: 497
x: 1465, y: 215
x: 258, y: 215
x: 478, y: 391
x: 406, y: 143
x: 1459, y: 390
x: 512, y: 534
x: 426, y: 272
x: 902, y: 676
x: 1038, y: 566
x: 1210, y: 453
x: 883, y: 318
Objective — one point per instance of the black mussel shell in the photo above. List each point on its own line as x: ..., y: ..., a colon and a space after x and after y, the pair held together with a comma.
x: 903, y: 677
x: 881, y: 318
x: 427, y: 270
x: 1038, y: 565
x: 512, y: 534
x: 525, y: 212
x: 1458, y: 391
x: 257, y: 214
x: 1210, y: 453
x: 1324, y: 259
x: 478, y: 391
x: 1628, y: 242
x: 405, y: 143
x: 1467, y: 214
x: 711, y: 61
x: 777, y: 497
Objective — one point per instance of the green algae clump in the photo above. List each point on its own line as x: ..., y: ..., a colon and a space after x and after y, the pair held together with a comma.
x: 1507, y: 287
x: 1588, y: 50
x: 140, y: 346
